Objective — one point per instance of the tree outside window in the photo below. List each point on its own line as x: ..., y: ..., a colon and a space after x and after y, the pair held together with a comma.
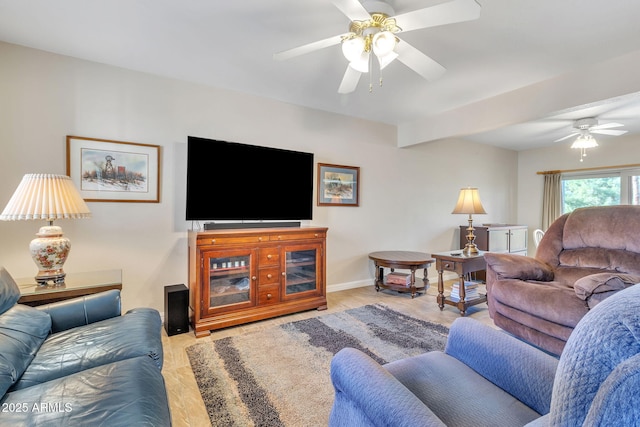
x: 607, y: 188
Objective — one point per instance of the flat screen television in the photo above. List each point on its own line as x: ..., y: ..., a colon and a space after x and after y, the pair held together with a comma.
x: 233, y: 181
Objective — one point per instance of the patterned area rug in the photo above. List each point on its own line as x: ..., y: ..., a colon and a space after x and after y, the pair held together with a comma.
x: 279, y: 376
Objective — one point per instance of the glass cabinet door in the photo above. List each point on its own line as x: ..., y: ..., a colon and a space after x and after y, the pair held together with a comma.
x: 231, y: 280
x: 301, y: 271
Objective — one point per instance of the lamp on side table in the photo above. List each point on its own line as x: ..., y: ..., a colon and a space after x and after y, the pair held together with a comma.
x: 47, y: 197
x: 469, y: 203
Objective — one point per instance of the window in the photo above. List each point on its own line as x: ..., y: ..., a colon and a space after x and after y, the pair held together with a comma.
x: 602, y: 188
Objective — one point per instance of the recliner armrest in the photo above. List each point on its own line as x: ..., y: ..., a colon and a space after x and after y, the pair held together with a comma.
x: 368, y: 395
x: 523, y: 371
x: 83, y: 310
x: 510, y: 266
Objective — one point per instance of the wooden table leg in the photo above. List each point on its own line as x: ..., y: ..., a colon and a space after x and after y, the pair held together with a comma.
x: 413, y: 282
x: 463, y: 296
x: 440, y: 290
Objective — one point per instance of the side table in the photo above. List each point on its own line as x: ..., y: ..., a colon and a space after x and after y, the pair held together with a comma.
x: 76, y: 285
x: 403, y: 260
x: 461, y: 264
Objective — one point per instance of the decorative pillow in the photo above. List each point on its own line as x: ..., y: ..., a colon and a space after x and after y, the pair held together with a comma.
x: 600, y: 283
x: 9, y: 291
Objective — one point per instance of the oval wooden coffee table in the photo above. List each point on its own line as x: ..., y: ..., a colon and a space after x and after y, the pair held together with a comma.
x: 401, y: 260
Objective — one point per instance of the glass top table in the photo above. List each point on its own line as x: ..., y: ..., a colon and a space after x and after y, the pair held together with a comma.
x: 76, y: 284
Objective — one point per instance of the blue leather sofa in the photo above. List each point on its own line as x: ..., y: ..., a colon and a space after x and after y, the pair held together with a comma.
x: 486, y: 377
x: 79, y: 362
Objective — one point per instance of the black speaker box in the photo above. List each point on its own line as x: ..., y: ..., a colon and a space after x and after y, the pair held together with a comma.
x: 176, y: 309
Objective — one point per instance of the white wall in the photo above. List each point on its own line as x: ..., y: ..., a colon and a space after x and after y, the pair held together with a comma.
x: 612, y: 151
x: 406, y: 194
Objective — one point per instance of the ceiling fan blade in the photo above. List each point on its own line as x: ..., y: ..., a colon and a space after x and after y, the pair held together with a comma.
x: 609, y: 132
x: 442, y: 14
x: 418, y: 61
x: 350, y: 80
x: 307, y: 48
x: 567, y: 137
x: 353, y: 9
x: 606, y: 126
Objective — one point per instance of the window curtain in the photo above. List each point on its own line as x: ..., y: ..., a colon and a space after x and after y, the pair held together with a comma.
x: 551, y: 199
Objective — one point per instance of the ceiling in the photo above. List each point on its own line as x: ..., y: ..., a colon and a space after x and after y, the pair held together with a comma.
x: 494, y: 64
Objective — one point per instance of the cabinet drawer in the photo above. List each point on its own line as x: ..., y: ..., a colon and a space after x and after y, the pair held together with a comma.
x: 449, y: 265
x: 269, y: 276
x: 230, y: 240
x: 298, y: 236
x: 268, y: 294
x: 269, y: 256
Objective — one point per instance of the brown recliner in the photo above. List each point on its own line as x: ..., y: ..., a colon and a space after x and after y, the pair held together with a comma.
x: 584, y: 257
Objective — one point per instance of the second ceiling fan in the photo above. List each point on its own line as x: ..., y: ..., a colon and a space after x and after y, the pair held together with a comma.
x: 373, y: 32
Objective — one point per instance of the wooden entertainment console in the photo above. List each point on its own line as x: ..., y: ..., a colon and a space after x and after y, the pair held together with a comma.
x: 242, y: 275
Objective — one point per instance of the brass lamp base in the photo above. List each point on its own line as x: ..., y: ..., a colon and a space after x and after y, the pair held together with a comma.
x: 470, y: 248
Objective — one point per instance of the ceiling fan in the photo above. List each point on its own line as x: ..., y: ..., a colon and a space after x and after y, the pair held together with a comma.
x: 584, y: 128
x: 373, y: 30
x: 590, y: 125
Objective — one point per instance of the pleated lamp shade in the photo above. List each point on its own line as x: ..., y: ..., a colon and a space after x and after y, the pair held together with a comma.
x: 47, y: 197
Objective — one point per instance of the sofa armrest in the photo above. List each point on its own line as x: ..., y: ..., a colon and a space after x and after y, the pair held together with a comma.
x: 367, y: 395
x: 520, y: 369
x: 83, y: 310
x: 510, y: 266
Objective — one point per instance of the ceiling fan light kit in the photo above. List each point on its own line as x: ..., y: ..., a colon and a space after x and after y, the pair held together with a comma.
x: 373, y: 30
x: 584, y: 129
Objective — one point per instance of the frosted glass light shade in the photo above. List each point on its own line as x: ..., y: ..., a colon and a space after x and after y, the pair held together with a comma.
x: 585, y: 141
x: 47, y: 197
x: 383, y: 43
x: 353, y: 48
x: 362, y: 63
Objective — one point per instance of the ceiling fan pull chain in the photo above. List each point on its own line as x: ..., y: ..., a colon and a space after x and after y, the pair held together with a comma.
x: 370, y: 74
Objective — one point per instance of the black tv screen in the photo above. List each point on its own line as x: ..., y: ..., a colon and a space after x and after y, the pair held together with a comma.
x: 232, y: 181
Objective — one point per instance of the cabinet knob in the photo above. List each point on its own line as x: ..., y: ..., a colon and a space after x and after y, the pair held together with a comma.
x: 269, y: 296
x: 269, y: 276
x: 269, y: 256
x: 447, y: 265
x: 279, y: 237
x: 259, y: 239
x: 213, y: 241
x: 253, y: 278
x: 316, y: 235
x: 284, y: 273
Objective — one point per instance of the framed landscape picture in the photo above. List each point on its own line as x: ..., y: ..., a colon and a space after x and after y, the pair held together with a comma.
x: 338, y: 185
x: 114, y: 171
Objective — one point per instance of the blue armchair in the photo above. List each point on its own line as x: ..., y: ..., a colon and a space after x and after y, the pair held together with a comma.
x: 486, y: 377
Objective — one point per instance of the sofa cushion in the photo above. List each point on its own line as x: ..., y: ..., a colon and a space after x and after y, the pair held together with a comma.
x: 126, y: 393
x: 137, y: 333
x: 551, y: 301
x: 596, y: 287
x: 509, y: 266
x: 442, y: 382
x: 607, y: 227
x: 9, y: 291
x: 22, y: 331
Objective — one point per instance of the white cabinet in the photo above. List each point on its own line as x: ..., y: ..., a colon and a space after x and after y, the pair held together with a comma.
x: 500, y: 238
